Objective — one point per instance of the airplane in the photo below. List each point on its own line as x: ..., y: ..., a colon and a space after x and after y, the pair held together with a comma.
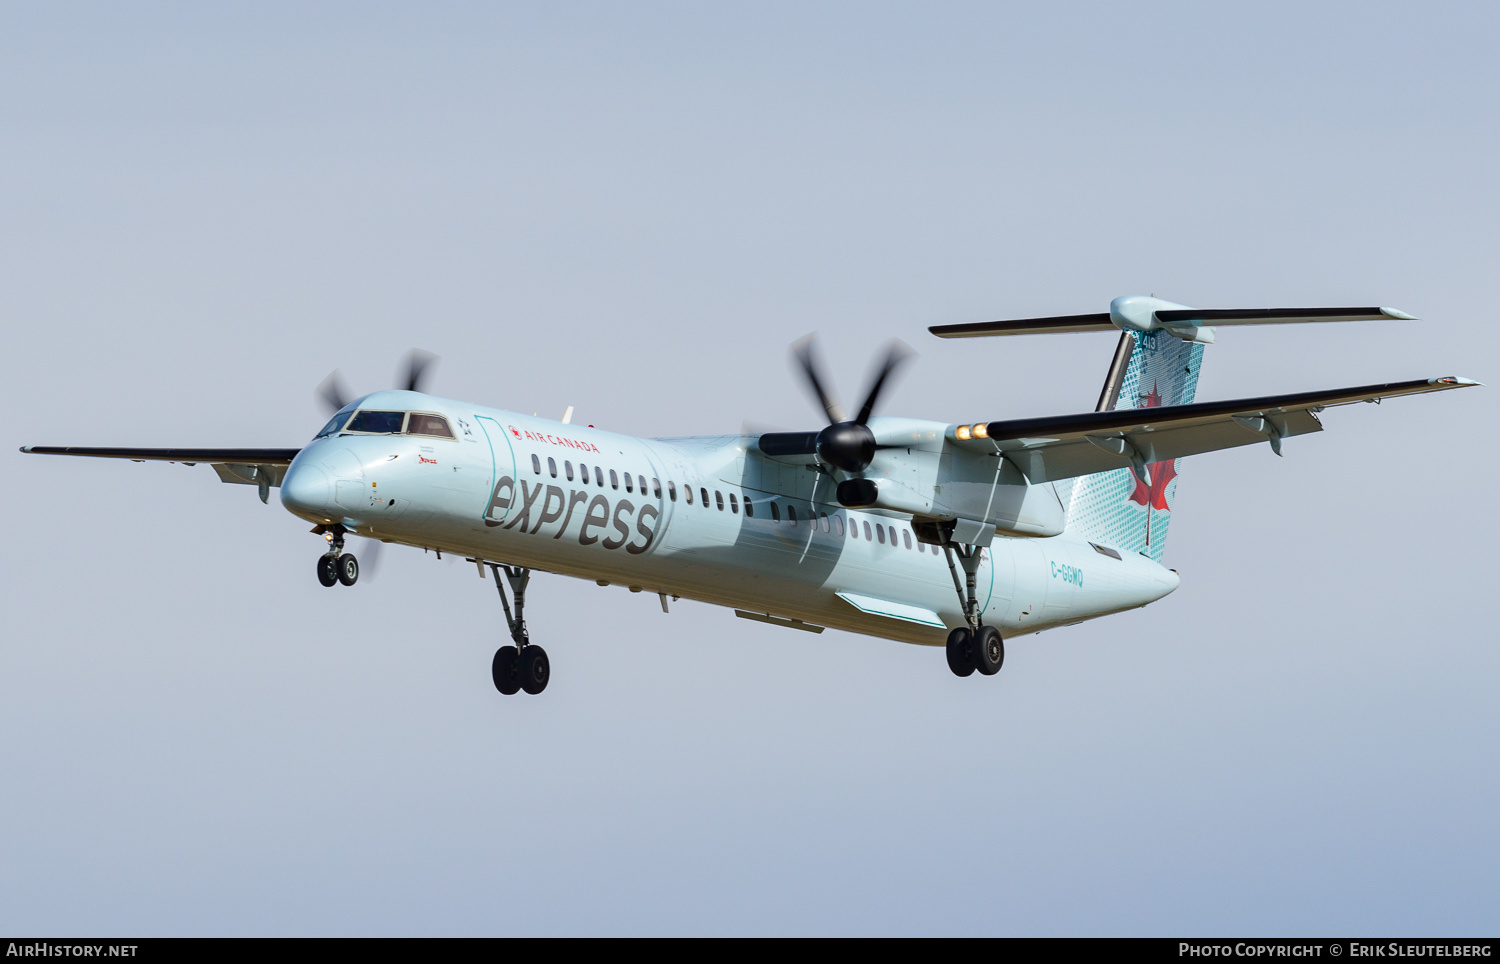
x: 957, y: 535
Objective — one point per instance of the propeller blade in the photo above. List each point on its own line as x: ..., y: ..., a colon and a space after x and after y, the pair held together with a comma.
x: 898, y: 353
x: 417, y: 363
x: 332, y: 392
x: 370, y: 553
x: 803, y: 352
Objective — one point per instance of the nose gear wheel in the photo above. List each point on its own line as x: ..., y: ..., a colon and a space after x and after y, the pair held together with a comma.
x: 336, y: 566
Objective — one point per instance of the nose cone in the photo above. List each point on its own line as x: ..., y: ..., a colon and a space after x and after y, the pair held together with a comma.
x: 307, y: 491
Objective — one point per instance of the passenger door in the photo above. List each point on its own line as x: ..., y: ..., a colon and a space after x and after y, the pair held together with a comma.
x: 500, y: 483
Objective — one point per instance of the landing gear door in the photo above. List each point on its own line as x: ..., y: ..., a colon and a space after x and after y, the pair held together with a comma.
x: 501, y: 488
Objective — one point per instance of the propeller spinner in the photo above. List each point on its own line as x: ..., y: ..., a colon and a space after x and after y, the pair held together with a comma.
x: 845, y: 443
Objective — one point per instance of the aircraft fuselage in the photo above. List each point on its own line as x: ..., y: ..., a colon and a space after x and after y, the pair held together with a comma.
x: 704, y: 518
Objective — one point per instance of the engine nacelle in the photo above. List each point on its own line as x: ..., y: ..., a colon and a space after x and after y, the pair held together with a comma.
x: 1015, y: 508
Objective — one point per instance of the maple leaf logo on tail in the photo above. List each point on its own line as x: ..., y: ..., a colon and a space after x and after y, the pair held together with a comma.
x: 1153, y: 496
x: 1116, y: 509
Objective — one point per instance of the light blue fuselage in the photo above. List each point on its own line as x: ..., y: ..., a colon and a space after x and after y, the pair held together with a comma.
x: 481, y: 495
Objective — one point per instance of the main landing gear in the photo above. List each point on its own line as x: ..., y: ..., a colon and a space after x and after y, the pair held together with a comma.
x: 336, y: 566
x: 523, y: 666
x: 973, y: 646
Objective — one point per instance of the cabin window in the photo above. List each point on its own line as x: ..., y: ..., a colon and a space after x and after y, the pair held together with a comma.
x: 892, y: 531
x: 672, y: 490
x: 775, y: 512
x: 583, y: 473
x: 734, y: 504
x: 598, y: 477
x: 749, y: 507
x: 614, y: 479
x: 629, y: 487
x: 838, y: 527
x: 906, y: 538
x: 423, y: 424
x: 823, y: 520
x: 880, y: 534
x: 868, y: 537
x: 704, y: 493
x: 551, y: 467
x: 656, y: 488
x: 536, y: 464
x: 640, y: 484
x: 719, y: 498
x: 568, y: 470
x: 791, y: 513
x: 377, y: 423
x: 687, y: 493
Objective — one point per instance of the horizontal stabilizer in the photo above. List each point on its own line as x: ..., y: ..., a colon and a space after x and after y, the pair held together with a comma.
x: 189, y: 456
x: 1059, y: 324
x: 1066, y: 446
x: 1275, y: 316
x: 1142, y: 313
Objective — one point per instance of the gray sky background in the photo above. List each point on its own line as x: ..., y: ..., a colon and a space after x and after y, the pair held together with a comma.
x: 633, y: 210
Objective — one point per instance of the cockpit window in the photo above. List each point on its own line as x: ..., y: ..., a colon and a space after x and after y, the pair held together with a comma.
x: 435, y: 425
x: 380, y: 423
x: 334, y: 424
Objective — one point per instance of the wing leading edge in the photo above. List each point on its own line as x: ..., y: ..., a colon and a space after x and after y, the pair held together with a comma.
x: 1066, y: 446
x: 263, y: 468
x: 186, y: 456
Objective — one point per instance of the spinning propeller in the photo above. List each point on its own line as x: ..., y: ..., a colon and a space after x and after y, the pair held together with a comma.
x: 846, y: 443
x: 331, y: 389
x: 333, y: 394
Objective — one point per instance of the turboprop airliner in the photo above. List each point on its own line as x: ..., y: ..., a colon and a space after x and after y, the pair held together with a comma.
x: 959, y: 535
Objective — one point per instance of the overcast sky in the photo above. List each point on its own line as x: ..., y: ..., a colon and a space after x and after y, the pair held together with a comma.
x: 634, y: 209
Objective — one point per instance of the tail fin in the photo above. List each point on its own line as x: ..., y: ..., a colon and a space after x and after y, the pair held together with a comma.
x: 1119, y: 508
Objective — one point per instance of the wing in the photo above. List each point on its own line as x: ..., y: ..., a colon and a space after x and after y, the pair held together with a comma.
x: 259, y: 467
x: 1065, y: 446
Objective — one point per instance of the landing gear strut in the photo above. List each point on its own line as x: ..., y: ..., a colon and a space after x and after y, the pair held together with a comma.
x: 973, y: 646
x: 336, y: 566
x: 523, y: 666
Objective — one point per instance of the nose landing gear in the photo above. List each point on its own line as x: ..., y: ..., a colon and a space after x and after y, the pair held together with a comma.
x: 523, y: 666
x: 336, y: 566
